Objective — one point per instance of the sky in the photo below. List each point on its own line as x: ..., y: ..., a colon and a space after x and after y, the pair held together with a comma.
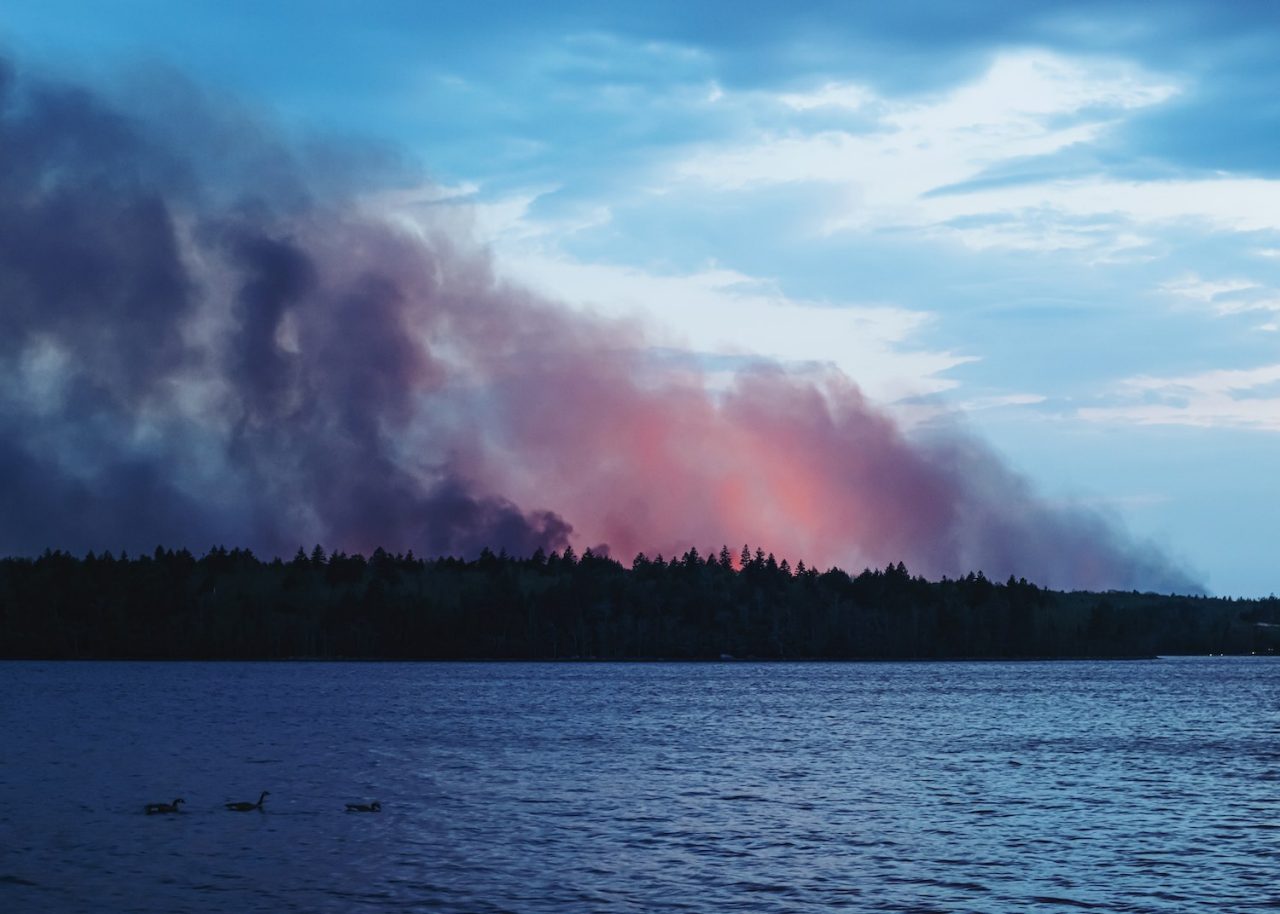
x: 969, y: 285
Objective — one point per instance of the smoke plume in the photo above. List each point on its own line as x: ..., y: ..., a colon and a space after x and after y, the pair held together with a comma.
x: 209, y: 339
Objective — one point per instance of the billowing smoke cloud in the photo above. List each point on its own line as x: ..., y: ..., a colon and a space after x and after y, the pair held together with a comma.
x: 216, y: 342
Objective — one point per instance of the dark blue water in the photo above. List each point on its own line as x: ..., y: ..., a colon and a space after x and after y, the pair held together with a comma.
x: 643, y: 787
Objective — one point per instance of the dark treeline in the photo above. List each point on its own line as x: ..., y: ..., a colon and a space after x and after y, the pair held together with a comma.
x: 230, y: 604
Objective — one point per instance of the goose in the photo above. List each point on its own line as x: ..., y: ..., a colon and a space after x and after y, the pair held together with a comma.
x: 153, y: 808
x: 375, y: 806
x: 245, y: 807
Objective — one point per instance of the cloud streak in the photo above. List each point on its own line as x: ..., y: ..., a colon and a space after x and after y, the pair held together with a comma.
x: 201, y: 353
x: 970, y: 151
x: 1224, y: 398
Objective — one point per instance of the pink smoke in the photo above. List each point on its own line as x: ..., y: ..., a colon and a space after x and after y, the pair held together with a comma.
x: 258, y: 361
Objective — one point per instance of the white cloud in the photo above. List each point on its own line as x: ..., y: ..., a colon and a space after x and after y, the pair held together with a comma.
x: 722, y: 312
x: 1193, y: 287
x: 1227, y: 296
x: 1224, y: 398
x: 1001, y: 401
x: 420, y: 195
x: 1028, y: 103
x: 1021, y: 89
x: 924, y: 411
x: 832, y: 95
x: 913, y: 168
x: 467, y: 211
x: 1231, y: 204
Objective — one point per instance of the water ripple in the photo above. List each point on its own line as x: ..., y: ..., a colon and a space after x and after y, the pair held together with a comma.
x: 1142, y: 787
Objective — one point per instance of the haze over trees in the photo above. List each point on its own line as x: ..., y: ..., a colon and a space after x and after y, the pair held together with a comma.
x: 230, y: 604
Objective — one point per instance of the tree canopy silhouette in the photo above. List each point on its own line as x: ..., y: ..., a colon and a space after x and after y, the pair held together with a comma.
x: 231, y: 604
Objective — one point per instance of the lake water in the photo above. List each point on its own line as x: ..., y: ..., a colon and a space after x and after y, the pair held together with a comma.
x: 986, y: 787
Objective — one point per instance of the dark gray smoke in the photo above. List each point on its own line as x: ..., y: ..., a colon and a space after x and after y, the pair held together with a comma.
x: 150, y: 393
x: 209, y: 339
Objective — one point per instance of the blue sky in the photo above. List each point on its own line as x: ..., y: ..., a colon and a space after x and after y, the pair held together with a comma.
x: 1055, y: 225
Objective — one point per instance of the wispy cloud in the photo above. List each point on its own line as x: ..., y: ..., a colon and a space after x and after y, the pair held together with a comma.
x: 1219, y: 203
x: 831, y: 95
x: 711, y: 311
x: 911, y: 165
x: 722, y: 311
x: 1228, y: 296
x: 1224, y: 398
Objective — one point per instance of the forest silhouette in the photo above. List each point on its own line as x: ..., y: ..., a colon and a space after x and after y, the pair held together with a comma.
x: 232, y: 605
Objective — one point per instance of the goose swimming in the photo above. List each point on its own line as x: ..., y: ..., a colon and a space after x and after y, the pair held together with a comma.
x: 153, y: 808
x: 375, y: 806
x: 246, y: 807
